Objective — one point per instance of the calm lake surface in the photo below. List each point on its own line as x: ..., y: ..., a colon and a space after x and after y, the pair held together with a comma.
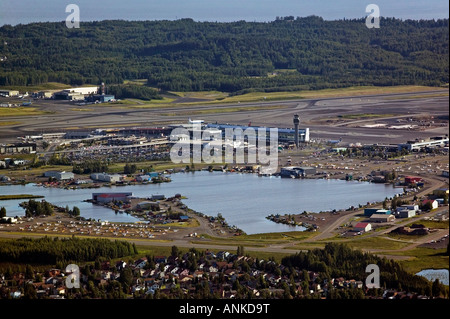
x: 433, y: 274
x: 243, y: 199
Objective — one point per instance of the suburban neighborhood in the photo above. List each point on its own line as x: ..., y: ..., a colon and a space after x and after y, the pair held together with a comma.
x: 194, y: 274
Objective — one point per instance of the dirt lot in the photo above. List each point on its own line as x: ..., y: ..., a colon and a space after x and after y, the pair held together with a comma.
x: 437, y: 244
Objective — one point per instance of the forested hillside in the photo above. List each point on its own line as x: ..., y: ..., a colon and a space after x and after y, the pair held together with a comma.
x: 183, y: 55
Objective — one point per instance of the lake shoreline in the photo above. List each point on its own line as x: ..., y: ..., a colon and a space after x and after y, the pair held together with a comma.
x: 218, y: 192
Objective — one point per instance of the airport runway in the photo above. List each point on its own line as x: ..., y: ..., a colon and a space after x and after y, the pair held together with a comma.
x: 312, y: 113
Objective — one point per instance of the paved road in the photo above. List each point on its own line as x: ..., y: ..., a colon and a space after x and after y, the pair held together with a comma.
x: 329, y: 231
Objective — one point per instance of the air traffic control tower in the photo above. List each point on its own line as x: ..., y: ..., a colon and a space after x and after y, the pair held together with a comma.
x: 296, y: 124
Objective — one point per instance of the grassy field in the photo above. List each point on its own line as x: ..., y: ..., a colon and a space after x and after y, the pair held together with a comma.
x: 9, y: 123
x: 423, y: 96
x: 42, y: 87
x: 216, y: 97
x: 81, y: 109
x: 20, y: 111
x: 207, y: 95
x: 364, y: 116
x: 19, y: 196
x: 20, y: 173
x: 432, y: 224
x: 258, y: 240
x: 376, y: 243
x: 326, y: 93
x: 423, y: 258
x: 137, y: 103
x: 225, y: 110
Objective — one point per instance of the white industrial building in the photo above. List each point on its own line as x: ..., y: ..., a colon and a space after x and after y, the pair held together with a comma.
x: 75, y: 93
x: 421, y: 144
x: 83, y: 90
x: 110, y: 178
x: 406, y: 213
x: 111, y: 197
x: 60, y: 176
x: 9, y: 92
x: 382, y: 218
x: 409, y: 207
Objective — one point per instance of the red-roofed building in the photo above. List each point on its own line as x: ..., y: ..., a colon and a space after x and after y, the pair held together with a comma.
x: 363, y: 227
x: 412, y: 179
x: 434, y: 203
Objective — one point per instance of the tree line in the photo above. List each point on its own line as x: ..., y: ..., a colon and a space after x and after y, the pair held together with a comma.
x: 339, y: 260
x: 54, y: 251
x: 37, y: 208
x: 183, y: 55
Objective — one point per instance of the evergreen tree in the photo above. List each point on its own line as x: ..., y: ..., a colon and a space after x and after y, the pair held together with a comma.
x: 76, y: 211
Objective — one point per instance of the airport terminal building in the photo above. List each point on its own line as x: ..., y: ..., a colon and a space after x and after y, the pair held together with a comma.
x: 285, y: 135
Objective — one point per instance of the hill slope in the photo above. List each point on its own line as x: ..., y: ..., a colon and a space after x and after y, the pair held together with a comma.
x: 183, y: 55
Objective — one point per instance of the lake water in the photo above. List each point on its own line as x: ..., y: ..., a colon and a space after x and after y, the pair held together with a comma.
x: 243, y: 199
x: 433, y: 274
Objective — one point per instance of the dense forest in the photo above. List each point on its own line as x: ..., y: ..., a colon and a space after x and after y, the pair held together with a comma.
x: 338, y: 260
x: 52, y: 251
x: 184, y: 55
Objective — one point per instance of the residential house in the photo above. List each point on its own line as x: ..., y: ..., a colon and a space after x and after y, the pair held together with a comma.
x: 223, y: 254
x: 434, y: 203
x: 160, y: 259
x: 362, y: 227
x: 106, y: 275
x: 184, y: 272
x: 140, y: 263
x: 120, y: 265
x: 212, y: 269
x: 105, y: 265
x: 441, y: 192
